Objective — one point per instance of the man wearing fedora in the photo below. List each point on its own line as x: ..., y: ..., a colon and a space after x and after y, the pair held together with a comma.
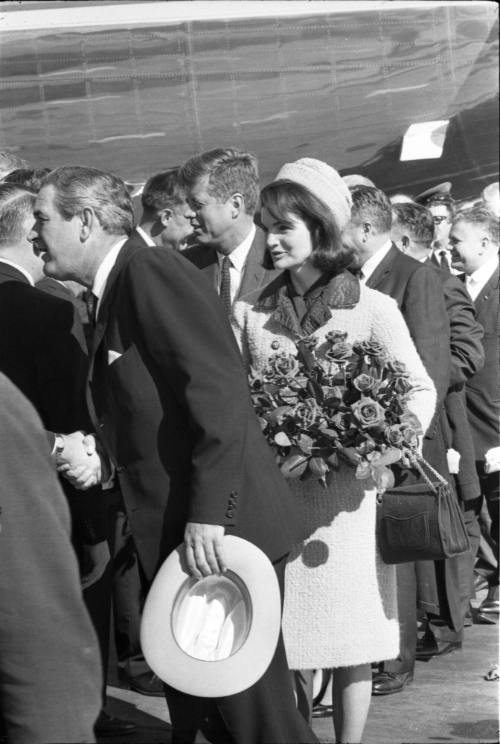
x: 169, y: 401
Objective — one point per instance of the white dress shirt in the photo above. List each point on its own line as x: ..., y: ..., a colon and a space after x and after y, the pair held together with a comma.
x: 147, y: 238
x: 104, y: 270
x: 238, y: 260
x: 479, y: 278
x: 19, y: 268
x: 371, y: 264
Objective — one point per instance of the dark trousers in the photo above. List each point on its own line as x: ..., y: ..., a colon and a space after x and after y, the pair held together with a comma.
x: 129, y: 592
x: 490, y: 489
x: 264, y: 714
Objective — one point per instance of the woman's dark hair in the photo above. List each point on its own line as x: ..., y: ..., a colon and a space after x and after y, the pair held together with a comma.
x: 282, y: 198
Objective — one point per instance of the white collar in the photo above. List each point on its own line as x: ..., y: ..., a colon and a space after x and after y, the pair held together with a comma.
x: 105, y: 268
x: 239, y: 255
x: 147, y: 238
x: 19, y: 268
x: 371, y: 264
x: 481, y: 276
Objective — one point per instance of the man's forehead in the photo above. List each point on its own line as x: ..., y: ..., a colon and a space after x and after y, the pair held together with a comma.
x: 439, y: 209
x: 45, y: 197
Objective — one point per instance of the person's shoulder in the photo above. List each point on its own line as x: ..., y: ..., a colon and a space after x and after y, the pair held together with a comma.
x: 376, y: 301
x: 199, y: 255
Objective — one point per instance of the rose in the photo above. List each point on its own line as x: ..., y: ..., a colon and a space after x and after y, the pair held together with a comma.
x: 306, y: 413
x: 335, y: 337
x: 283, y: 365
x: 370, y: 348
x: 339, y: 352
x: 364, y: 383
x: 410, y: 437
x: 398, y: 368
x: 368, y: 412
x: 402, y: 385
x: 394, y: 435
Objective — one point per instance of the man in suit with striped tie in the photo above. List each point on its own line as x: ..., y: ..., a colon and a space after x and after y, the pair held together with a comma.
x: 222, y: 187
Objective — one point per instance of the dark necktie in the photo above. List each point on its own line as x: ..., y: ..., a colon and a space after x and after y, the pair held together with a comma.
x: 225, y: 284
x: 443, y: 261
x: 91, y: 301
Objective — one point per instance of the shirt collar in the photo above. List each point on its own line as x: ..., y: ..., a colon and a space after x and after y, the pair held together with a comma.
x: 147, y: 238
x: 371, y: 264
x: 19, y: 268
x: 105, y: 268
x: 481, y: 276
x: 239, y: 255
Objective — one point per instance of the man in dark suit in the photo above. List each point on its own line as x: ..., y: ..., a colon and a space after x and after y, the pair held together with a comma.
x: 222, y: 188
x: 474, y: 241
x: 164, y: 221
x: 43, y: 352
x: 417, y: 290
x: 49, y: 659
x: 170, y: 402
x: 451, y: 580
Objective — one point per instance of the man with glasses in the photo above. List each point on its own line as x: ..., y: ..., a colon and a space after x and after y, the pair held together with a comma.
x: 440, y: 204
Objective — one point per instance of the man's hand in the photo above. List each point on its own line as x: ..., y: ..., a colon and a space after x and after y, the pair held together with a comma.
x: 79, y: 461
x: 96, y: 559
x: 204, y: 549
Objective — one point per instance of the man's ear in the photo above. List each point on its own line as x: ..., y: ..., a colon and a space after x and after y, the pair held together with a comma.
x: 405, y: 242
x: 88, y: 220
x: 367, y: 230
x: 237, y: 204
x: 165, y: 216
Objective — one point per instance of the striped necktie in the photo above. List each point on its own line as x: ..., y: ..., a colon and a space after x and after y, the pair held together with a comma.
x: 225, y: 285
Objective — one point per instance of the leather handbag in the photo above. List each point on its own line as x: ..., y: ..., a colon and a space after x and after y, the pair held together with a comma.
x: 422, y: 521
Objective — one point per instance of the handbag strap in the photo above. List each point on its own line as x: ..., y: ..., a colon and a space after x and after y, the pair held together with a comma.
x: 418, y: 461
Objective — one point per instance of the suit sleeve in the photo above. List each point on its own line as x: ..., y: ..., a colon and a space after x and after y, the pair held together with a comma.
x: 184, y: 331
x: 466, y: 334
x: 49, y: 659
x: 425, y: 313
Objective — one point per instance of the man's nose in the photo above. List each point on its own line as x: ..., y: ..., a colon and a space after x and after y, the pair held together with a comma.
x: 189, y: 212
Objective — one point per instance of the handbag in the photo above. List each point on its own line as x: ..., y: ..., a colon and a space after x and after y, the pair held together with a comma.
x: 422, y: 521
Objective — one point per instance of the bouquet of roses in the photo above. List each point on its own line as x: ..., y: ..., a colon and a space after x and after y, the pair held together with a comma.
x: 349, y: 404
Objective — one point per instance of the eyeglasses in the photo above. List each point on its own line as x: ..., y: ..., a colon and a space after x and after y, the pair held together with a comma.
x: 439, y: 218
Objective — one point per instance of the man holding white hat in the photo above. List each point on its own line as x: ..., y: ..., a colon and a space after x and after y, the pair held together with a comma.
x: 169, y: 400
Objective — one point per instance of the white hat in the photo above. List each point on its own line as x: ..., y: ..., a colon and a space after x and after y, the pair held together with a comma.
x: 324, y: 182
x: 214, y: 636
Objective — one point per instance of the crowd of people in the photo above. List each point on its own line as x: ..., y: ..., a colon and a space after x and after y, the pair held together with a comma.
x: 126, y: 347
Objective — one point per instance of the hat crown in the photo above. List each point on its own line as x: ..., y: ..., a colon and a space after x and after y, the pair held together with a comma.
x: 324, y: 182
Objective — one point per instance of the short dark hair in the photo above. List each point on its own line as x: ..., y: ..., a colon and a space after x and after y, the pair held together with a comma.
x: 162, y: 190
x: 229, y: 171
x: 370, y: 204
x: 78, y: 187
x: 15, y: 203
x: 282, y: 198
x: 417, y: 219
x: 481, y: 216
x: 30, y: 178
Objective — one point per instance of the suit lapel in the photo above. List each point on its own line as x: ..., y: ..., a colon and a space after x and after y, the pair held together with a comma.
x: 383, y: 269
x: 255, y: 274
x: 9, y: 273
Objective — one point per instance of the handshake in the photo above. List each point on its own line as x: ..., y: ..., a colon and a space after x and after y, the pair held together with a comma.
x: 79, y: 459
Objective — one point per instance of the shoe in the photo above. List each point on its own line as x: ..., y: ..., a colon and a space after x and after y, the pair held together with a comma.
x: 481, y: 618
x: 480, y: 582
x: 427, y: 648
x: 387, y: 683
x: 147, y: 684
x: 322, y: 711
x: 107, y: 725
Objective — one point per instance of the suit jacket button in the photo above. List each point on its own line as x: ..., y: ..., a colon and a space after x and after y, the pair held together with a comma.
x: 229, y: 513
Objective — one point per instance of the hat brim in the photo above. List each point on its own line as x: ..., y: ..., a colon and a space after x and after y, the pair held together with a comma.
x: 441, y: 188
x: 243, y: 668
